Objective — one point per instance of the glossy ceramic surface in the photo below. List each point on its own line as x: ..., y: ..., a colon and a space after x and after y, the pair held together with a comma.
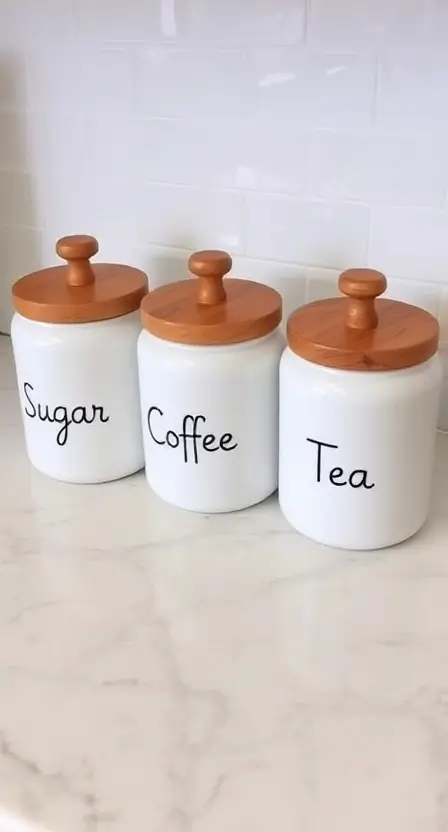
x: 356, y: 451
x: 79, y: 397
x: 210, y: 421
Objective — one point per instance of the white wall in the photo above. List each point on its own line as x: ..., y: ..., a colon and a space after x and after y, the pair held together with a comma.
x: 302, y: 136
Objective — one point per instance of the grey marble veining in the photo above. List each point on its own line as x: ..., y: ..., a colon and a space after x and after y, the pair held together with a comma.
x: 167, y: 672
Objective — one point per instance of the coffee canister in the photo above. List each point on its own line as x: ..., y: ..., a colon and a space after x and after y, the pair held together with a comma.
x: 359, y: 389
x: 208, y: 359
x: 74, y: 336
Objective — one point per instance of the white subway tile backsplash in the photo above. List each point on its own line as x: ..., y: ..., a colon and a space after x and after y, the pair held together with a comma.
x: 106, y: 77
x: 302, y: 231
x: 55, y: 144
x: 321, y: 283
x: 287, y: 279
x: 276, y: 158
x: 61, y: 200
x: 164, y: 265
x: 204, y: 153
x: 115, y: 146
x: 215, y: 83
x: 225, y: 154
x: 311, y: 88
x: 109, y: 21
x: 120, y: 195
x: 54, y: 79
x: 192, y: 218
x: 17, y: 199
x: 411, y: 242
x: 69, y: 79
x: 233, y: 21
x: 413, y: 91
x: 391, y: 169
x: 20, y: 254
x: 193, y: 21
x: 25, y: 23
x: 305, y: 136
x: 425, y: 295
x: 13, y: 145
x: 192, y: 152
x: 268, y: 270
x: 364, y: 24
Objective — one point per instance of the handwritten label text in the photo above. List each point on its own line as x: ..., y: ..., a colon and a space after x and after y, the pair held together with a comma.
x: 61, y: 415
x: 356, y: 479
x: 190, y: 440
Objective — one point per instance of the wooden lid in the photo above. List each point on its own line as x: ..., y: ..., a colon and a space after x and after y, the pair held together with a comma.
x: 210, y: 310
x: 79, y: 291
x: 360, y: 333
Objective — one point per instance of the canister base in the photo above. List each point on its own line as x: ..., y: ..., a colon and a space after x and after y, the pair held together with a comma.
x: 84, y: 480
x: 355, y: 545
x: 210, y: 509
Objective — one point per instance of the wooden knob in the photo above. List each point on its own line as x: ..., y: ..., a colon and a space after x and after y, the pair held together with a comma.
x: 77, y: 250
x: 210, y: 267
x: 362, y: 286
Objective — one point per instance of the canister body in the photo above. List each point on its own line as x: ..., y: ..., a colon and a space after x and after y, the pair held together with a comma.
x: 78, y: 386
x: 210, y: 421
x: 357, y: 451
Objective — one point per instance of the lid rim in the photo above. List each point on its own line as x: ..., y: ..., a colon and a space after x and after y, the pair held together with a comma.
x: 46, y: 297
x: 45, y: 313
x: 250, y: 311
x: 369, y: 366
x: 404, y: 336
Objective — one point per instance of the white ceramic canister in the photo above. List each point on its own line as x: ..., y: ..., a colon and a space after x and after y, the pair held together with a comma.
x: 359, y: 389
x: 208, y: 359
x: 74, y: 338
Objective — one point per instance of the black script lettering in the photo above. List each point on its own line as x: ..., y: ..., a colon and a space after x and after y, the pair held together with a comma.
x: 43, y: 413
x: 320, y: 445
x: 100, y: 410
x: 357, y: 478
x: 190, y: 438
x: 78, y: 420
x: 150, y: 412
x: 208, y: 441
x: 175, y: 442
x: 335, y: 474
x: 194, y: 435
x: 363, y: 480
x: 225, y: 439
x: 60, y: 415
x: 27, y: 387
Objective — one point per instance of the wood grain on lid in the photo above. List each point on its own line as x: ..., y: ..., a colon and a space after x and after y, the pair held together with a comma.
x: 211, y: 310
x: 359, y: 332
x: 80, y: 291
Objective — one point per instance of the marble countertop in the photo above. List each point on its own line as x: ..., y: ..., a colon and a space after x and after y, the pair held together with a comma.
x: 167, y: 672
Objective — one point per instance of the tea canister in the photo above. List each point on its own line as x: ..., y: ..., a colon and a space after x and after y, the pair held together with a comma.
x: 74, y: 336
x: 208, y: 360
x: 359, y: 389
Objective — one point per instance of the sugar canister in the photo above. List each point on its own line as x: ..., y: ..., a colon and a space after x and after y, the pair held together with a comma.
x: 359, y: 388
x: 208, y: 358
x: 74, y: 336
